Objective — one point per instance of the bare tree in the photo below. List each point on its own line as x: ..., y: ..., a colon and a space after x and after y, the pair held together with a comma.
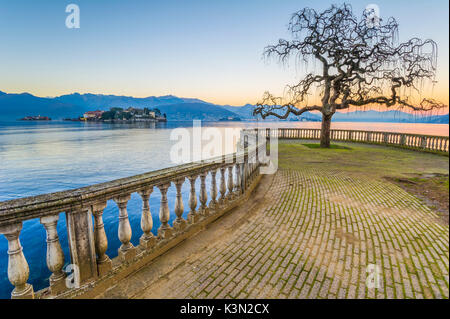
x: 359, y: 63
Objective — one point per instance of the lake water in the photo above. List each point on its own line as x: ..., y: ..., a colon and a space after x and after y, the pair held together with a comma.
x: 44, y: 157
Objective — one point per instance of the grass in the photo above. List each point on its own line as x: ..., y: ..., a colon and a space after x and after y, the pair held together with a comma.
x: 370, y: 160
x: 332, y: 146
x: 438, y: 181
x: 422, y: 174
x: 432, y: 188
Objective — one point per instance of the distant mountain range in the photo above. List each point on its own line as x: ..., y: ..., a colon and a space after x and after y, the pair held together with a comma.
x: 389, y: 116
x: 15, y: 106
x: 246, y: 112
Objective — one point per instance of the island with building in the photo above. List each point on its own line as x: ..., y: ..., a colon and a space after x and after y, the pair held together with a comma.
x: 35, y: 118
x: 230, y: 119
x: 121, y: 115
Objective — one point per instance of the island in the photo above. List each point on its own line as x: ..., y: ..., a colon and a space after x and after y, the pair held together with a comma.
x: 121, y: 115
x: 35, y: 118
x: 230, y: 118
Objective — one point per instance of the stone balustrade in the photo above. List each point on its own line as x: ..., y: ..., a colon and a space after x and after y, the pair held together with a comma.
x: 87, y: 239
x: 413, y: 141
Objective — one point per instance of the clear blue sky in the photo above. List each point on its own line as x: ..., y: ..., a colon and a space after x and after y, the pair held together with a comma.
x: 208, y: 49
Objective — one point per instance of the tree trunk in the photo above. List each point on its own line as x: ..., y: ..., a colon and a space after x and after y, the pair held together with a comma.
x: 325, y: 132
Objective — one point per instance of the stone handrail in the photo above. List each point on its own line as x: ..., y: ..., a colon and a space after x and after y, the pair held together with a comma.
x: 413, y: 141
x: 87, y: 239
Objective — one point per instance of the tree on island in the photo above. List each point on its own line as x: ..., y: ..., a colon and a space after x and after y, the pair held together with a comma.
x: 359, y: 64
x: 157, y: 112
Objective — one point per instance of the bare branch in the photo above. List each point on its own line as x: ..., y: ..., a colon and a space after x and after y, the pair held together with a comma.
x: 271, y: 106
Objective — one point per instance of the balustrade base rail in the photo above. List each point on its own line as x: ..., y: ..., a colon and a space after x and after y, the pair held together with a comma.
x: 428, y: 143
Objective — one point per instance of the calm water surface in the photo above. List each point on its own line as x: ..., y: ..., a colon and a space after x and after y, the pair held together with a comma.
x: 44, y: 157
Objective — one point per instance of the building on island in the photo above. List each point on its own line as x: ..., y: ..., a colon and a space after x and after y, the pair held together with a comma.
x: 93, y: 115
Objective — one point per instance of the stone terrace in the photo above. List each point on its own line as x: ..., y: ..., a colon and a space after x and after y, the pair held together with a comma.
x: 310, y: 231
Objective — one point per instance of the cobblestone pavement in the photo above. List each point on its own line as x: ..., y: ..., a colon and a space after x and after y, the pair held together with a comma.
x: 315, y: 238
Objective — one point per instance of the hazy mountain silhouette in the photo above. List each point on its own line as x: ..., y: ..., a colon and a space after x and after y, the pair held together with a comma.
x: 388, y: 116
x: 104, y: 102
x: 15, y: 106
x: 195, y: 111
x: 246, y: 112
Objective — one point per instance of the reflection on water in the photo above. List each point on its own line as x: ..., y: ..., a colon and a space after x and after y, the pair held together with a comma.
x: 38, y: 157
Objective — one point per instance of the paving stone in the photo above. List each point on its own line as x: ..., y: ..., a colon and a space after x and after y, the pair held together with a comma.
x: 315, y: 238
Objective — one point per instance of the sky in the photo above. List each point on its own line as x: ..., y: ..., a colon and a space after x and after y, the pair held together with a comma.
x: 206, y: 49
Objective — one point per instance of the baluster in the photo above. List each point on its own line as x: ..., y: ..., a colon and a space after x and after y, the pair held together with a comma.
x: 55, y: 256
x: 18, y: 270
x: 237, y: 185
x: 242, y: 178
x: 147, y: 239
x: 423, y: 142
x: 164, y: 231
x: 126, y: 251
x: 223, y: 186
x: 192, y: 216
x: 230, y: 182
x: 179, y: 223
x: 101, y: 241
x: 213, y: 201
x: 203, y: 196
x: 248, y: 171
